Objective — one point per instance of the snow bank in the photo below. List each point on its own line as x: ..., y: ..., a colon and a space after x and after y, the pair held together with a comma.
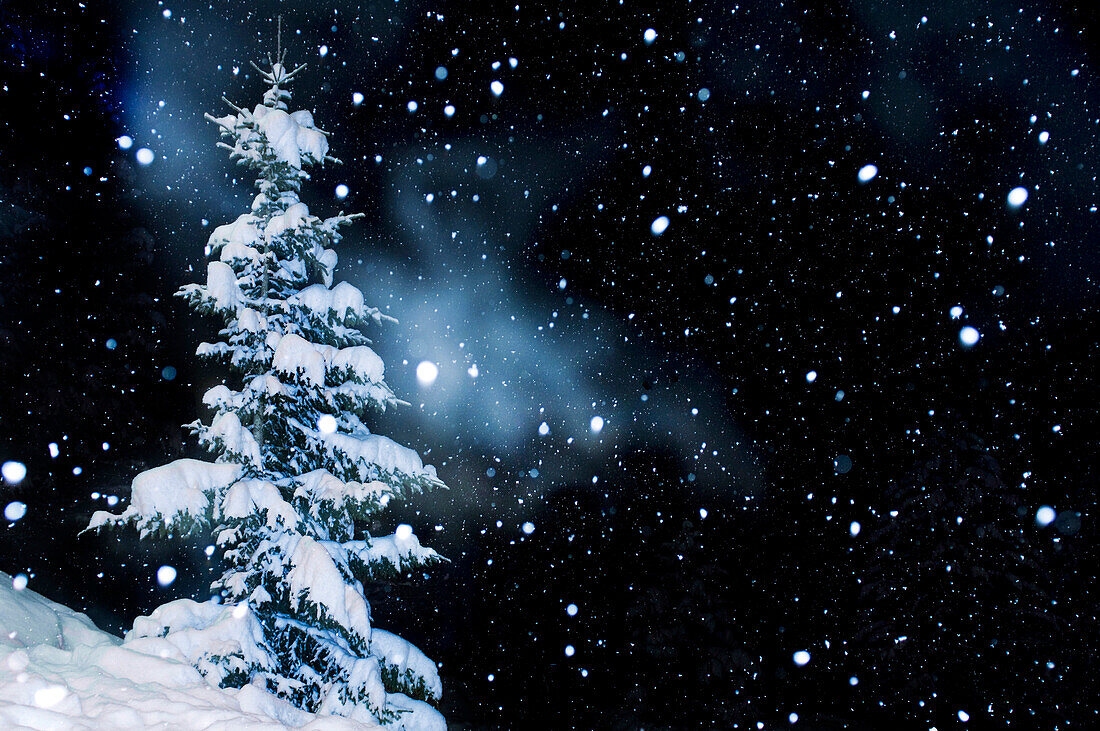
x: 58, y: 671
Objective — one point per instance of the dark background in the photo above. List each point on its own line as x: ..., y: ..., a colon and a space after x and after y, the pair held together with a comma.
x: 705, y: 534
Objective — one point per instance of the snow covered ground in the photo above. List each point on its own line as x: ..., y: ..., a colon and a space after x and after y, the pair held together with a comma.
x: 59, y: 671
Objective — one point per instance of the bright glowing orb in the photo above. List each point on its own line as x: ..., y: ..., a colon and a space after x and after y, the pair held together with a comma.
x: 867, y: 173
x: 1017, y: 197
x: 15, y: 510
x: 166, y: 575
x: 427, y: 372
x: 13, y: 471
x: 969, y: 336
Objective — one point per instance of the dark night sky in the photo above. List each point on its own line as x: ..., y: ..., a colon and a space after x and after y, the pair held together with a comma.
x: 512, y: 239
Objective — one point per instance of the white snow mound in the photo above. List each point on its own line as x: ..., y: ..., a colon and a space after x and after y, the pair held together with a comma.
x: 58, y: 671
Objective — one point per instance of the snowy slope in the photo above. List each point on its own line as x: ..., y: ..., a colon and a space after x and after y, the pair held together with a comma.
x: 58, y: 671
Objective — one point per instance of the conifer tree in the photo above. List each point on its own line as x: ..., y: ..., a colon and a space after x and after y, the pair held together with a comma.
x: 297, y: 477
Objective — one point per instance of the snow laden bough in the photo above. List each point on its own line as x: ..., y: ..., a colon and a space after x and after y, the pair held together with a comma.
x: 297, y: 476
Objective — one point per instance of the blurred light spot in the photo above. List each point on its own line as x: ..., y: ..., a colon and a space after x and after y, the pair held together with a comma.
x: 867, y: 173
x: 125, y: 142
x: 13, y: 471
x: 969, y: 336
x: 427, y: 372
x: 544, y: 428
x: 571, y: 610
x: 854, y: 528
x: 702, y: 513
x: 956, y: 312
x: 964, y: 716
x: 703, y: 94
x: 497, y: 88
x: 323, y: 50
x: 528, y: 528
x: 1044, y: 516
x: 19, y: 582
x: 596, y: 425
x: 472, y: 371
x: 168, y: 373
x: 801, y: 657
x: 54, y: 451
x: 441, y: 72
x: 356, y: 98
x: 144, y: 156
x: 1017, y: 197
x: 1043, y: 137
x: 412, y: 106
x: 650, y: 35
x: 327, y: 424
x: 659, y: 225
x: 342, y: 191
x: 569, y: 651
x: 15, y: 510
x: 647, y: 171
x: 811, y: 376
x: 449, y: 110
x: 166, y: 575
x: 403, y: 532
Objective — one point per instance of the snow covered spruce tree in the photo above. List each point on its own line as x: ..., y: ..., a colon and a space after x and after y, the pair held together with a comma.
x: 297, y: 477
